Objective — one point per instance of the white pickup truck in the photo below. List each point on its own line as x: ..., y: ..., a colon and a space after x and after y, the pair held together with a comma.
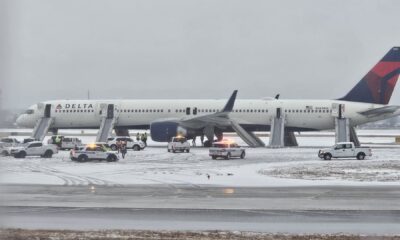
x: 345, y: 150
x: 178, y: 144
x: 34, y: 149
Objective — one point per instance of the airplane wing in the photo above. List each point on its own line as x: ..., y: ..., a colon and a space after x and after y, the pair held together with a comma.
x: 380, y: 111
x: 220, y: 118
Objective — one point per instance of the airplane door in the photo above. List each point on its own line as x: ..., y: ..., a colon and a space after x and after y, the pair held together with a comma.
x: 195, y: 111
x: 110, y: 111
x: 278, y: 113
x: 188, y: 111
x: 47, y: 111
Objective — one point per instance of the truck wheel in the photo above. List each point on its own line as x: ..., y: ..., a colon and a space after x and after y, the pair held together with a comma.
x: 173, y: 150
x: 136, y: 148
x: 361, y: 156
x: 21, y: 155
x: 82, y: 158
x: 48, y: 154
x: 242, y: 155
x: 114, y: 147
x: 214, y: 157
x: 207, y: 144
x: 169, y: 150
x: 187, y: 150
x: 4, y: 153
x: 111, y: 158
x: 327, y: 156
x: 228, y: 156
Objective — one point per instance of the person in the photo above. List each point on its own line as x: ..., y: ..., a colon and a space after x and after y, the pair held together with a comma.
x: 137, y: 137
x: 58, y: 141
x: 119, y: 146
x: 144, y: 139
x: 202, y: 139
x: 123, y: 149
x: 194, y: 141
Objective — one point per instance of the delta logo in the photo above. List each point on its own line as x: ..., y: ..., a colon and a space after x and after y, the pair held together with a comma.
x: 59, y: 107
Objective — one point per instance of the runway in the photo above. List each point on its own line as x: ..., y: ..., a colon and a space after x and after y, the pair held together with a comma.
x: 328, y: 209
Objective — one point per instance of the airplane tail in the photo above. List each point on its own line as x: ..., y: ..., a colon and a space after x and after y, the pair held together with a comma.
x: 378, y: 85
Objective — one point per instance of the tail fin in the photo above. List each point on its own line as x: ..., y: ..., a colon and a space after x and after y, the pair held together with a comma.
x: 377, y: 86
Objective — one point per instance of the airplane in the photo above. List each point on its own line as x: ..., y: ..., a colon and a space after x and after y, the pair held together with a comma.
x: 366, y: 102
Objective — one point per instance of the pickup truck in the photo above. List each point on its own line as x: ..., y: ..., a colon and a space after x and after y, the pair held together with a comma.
x: 226, y: 150
x: 178, y: 144
x: 345, y: 150
x: 33, y: 149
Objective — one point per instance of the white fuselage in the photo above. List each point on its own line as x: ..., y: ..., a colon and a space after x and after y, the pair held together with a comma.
x: 253, y: 114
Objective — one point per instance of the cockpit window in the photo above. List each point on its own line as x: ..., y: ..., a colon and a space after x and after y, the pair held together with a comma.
x: 29, y: 111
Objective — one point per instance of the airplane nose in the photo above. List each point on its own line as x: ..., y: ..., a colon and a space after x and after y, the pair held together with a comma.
x: 19, y: 121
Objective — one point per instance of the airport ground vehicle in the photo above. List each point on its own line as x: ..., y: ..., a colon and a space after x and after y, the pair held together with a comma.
x: 227, y: 150
x: 345, y: 150
x: 63, y: 142
x: 178, y: 144
x: 35, y: 148
x: 8, y: 142
x: 93, y: 152
x: 130, y: 143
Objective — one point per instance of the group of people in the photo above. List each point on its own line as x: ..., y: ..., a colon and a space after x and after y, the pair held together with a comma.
x: 121, y: 148
x: 201, y: 139
x: 142, y: 137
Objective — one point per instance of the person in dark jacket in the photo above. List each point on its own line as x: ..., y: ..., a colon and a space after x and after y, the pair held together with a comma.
x: 123, y: 150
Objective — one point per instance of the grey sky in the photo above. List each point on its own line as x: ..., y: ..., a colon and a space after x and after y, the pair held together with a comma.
x: 190, y: 49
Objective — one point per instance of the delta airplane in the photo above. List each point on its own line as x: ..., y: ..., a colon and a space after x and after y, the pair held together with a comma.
x: 366, y: 102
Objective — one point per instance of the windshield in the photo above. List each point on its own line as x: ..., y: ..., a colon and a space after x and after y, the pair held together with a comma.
x: 29, y: 111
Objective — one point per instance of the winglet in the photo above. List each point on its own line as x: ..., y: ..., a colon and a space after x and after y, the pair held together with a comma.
x: 231, y: 102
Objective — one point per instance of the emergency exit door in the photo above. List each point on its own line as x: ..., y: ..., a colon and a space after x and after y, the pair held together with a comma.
x: 47, y: 111
x: 110, y: 111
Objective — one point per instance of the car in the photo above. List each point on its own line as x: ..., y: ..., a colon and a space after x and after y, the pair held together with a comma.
x: 6, y: 144
x: 130, y: 143
x: 226, y: 149
x: 345, y: 150
x: 34, y: 148
x: 65, y: 143
x: 93, y: 152
x: 178, y: 144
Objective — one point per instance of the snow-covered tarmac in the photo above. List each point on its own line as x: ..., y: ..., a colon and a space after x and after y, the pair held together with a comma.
x: 263, y: 167
x: 286, y: 190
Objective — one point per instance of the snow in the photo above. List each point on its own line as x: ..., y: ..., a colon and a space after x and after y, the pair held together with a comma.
x: 262, y: 167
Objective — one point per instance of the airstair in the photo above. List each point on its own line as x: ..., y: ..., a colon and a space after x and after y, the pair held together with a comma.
x: 43, y: 124
x: 344, y: 132
x: 277, y: 134
x: 248, y: 137
x: 108, y: 120
x: 41, y: 128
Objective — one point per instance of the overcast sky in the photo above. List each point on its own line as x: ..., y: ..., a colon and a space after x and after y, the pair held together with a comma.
x: 190, y: 49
